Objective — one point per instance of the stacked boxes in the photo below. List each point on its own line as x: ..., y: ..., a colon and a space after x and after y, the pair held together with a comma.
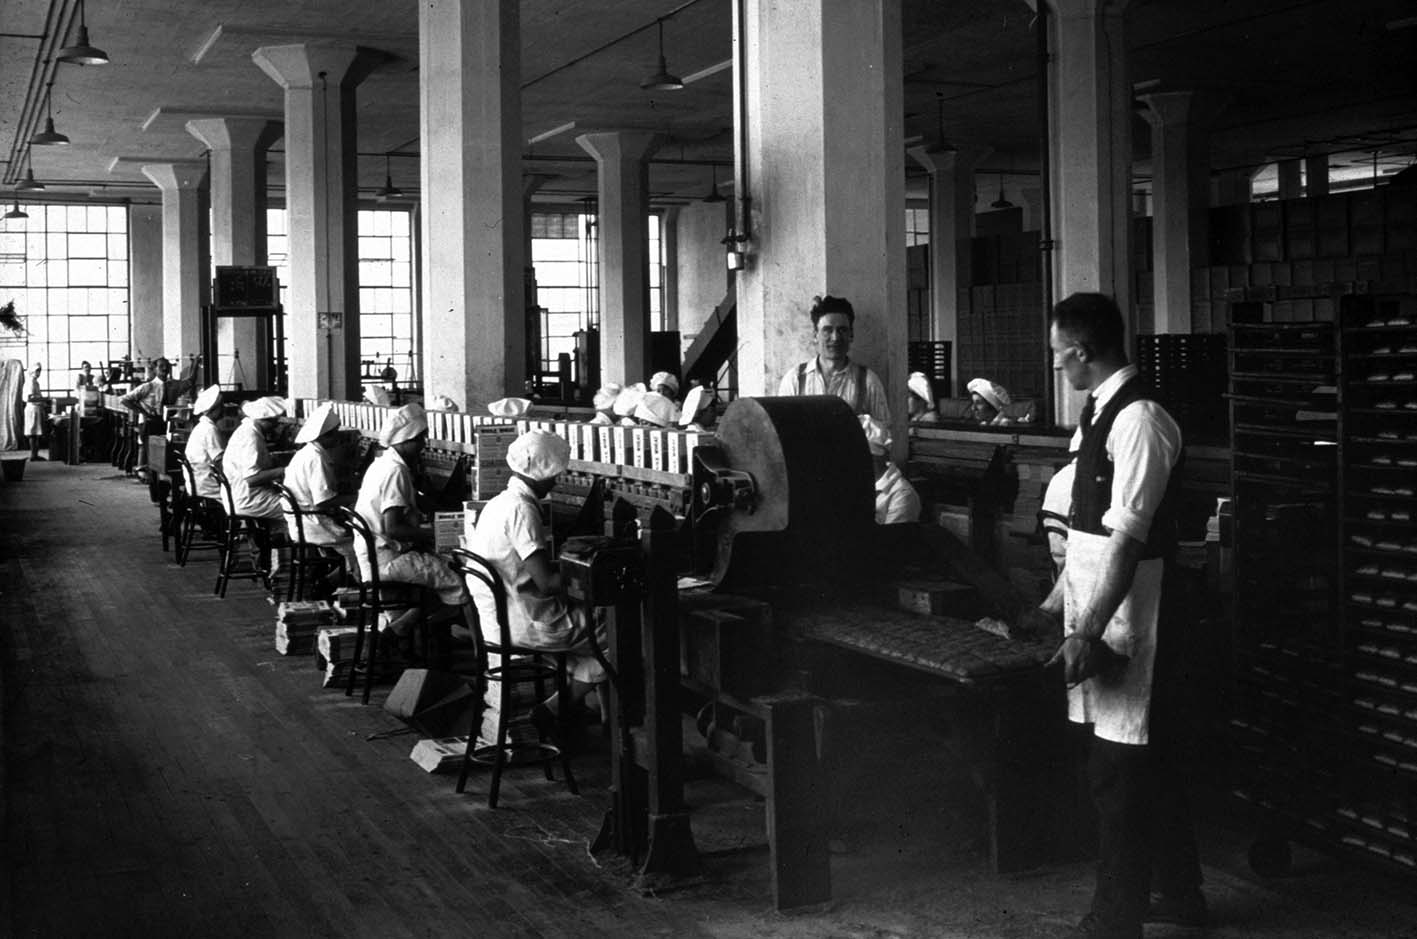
x: 491, y: 472
x: 298, y: 622
x: 334, y: 654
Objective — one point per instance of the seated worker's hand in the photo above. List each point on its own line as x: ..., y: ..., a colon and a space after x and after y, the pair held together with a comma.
x: 1083, y: 658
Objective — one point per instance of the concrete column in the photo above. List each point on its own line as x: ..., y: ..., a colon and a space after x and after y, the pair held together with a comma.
x: 624, y: 250
x: 1232, y: 187
x: 144, y: 280
x: 1291, y: 179
x: 669, y: 238
x: 1180, y: 217
x: 1090, y: 131
x: 186, y: 264
x: 474, y: 243
x: 951, y: 226
x: 1316, y: 175
x: 237, y: 147
x: 322, y: 322
x: 823, y: 83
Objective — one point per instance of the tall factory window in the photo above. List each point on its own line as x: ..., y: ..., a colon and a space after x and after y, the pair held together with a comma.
x: 386, y: 300
x: 386, y: 327
x: 66, y: 269
x: 564, y: 252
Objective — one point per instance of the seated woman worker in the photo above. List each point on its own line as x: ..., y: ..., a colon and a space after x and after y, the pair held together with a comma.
x: 387, y: 502
x: 896, y: 499
x: 987, y: 401
x: 312, y: 479
x: 511, y: 536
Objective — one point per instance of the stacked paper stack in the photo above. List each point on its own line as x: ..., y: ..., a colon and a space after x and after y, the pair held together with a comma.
x: 491, y: 472
x: 298, y: 622
x: 345, y: 603
x: 439, y: 754
x: 334, y: 654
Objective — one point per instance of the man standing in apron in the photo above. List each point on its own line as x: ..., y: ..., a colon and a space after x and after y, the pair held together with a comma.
x: 1115, y: 659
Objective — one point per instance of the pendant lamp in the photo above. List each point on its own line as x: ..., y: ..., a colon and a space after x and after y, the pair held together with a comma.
x: 1001, y: 202
x: 662, y: 79
x: 16, y: 212
x: 49, y: 137
x: 940, y: 146
x: 29, y: 183
x: 713, y: 194
x: 388, y: 190
x: 81, y: 53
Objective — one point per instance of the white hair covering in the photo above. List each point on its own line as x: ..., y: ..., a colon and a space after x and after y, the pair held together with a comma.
x: 878, y: 435
x: 994, y: 394
x: 509, y: 407
x: 657, y: 409
x: 262, y: 408
x: 402, y: 424
x: 321, y: 421
x: 629, y: 399
x: 539, y: 454
x: 605, y: 397
x: 207, y: 399
x: 919, y: 385
x: 695, y: 401
x: 378, y: 394
x: 664, y: 378
x: 444, y: 403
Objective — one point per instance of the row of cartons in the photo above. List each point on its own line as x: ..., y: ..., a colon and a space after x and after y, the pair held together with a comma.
x: 650, y: 448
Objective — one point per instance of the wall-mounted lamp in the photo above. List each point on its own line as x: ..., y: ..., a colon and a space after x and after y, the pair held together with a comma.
x: 737, y: 253
x: 662, y: 79
x: 81, y: 53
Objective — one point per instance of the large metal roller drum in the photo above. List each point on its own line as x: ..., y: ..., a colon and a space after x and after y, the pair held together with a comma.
x: 813, y: 510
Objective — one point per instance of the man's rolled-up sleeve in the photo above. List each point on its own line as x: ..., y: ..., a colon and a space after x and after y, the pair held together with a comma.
x: 1144, y: 446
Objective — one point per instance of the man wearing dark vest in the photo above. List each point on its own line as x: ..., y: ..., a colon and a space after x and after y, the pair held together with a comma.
x: 1115, y: 659
x: 832, y: 372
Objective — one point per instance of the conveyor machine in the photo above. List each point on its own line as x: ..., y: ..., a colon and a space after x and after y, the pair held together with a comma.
x: 796, y: 581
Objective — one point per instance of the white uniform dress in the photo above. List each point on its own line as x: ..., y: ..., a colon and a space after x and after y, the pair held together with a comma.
x: 846, y: 383
x: 389, y: 484
x: 204, y: 447
x: 246, y: 455
x: 34, y: 410
x: 310, y: 478
x: 509, y: 531
x: 1144, y: 446
x: 896, y: 499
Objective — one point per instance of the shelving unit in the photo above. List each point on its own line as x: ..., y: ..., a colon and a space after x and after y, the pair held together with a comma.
x: 1378, y: 498
x: 1289, y: 667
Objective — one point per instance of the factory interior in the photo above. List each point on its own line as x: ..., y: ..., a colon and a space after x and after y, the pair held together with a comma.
x: 724, y: 468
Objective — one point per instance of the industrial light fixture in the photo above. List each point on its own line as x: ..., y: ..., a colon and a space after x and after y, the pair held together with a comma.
x: 81, y: 53
x: 49, y: 137
x: 16, y: 212
x: 389, y: 190
x: 713, y: 194
x: 29, y: 183
x: 1001, y: 202
x: 662, y: 79
x: 940, y: 146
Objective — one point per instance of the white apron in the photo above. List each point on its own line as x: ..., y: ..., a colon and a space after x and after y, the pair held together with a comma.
x: 1119, y: 705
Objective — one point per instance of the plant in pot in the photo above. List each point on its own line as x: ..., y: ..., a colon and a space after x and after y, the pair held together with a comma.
x: 12, y: 383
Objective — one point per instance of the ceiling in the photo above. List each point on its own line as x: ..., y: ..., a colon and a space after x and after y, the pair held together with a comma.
x: 1284, y: 78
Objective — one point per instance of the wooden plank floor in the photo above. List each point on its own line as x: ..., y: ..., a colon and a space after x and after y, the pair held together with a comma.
x: 166, y: 773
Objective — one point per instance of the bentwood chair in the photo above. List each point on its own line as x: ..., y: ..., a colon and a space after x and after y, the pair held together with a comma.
x: 515, y: 666
x: 238, y: 528
x: 194, y: 515
x: 376, y: 597
x: 309, y: 564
